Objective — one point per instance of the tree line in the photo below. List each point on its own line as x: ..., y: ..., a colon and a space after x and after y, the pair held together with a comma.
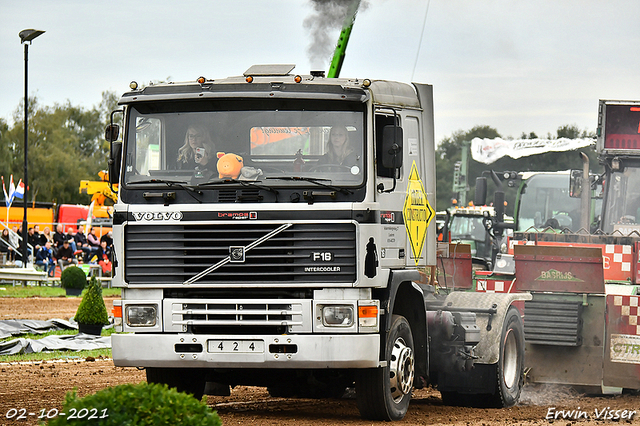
x: 65, y: 145
x: 449, y: 151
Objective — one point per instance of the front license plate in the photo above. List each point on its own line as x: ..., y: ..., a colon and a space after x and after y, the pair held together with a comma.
x: 236, y: 346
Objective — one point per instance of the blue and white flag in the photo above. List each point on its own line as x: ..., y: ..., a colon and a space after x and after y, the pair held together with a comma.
x: 19, y: 191
x: 14, y: 191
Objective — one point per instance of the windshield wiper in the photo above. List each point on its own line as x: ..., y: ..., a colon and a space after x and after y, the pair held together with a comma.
x: 316, y: 181
x: 170, y: 184
x: 247, y: 183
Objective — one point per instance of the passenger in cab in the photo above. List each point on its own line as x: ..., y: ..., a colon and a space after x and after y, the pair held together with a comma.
x: 339, y: 149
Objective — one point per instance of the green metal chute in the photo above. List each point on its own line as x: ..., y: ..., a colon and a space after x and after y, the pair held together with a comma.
x: 341, y: 47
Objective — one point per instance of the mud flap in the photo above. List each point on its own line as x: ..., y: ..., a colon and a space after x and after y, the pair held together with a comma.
x: 488, y: 349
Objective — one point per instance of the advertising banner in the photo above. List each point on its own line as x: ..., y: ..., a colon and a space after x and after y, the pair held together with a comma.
x: 489, y: 150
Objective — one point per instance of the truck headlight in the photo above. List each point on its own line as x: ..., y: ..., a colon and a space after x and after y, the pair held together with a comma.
x: 141, y: 315
x: 337, y: 315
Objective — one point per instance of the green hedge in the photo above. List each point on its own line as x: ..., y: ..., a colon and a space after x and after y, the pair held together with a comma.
x: 141, y: 404
x: 92, y: 309
x: 73, y: 277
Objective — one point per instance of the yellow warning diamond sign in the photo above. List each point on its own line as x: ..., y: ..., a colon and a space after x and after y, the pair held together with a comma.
x: 417, y: 213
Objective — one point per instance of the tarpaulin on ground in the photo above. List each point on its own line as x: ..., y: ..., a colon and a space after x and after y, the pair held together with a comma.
x: 10, y: 328
x: 489, y: 150
x: 75, y: 342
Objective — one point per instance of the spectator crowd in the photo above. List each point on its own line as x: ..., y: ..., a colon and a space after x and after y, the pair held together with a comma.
x: 59, y: 249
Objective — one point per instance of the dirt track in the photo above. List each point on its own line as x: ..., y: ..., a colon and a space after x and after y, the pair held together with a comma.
x: 42, y: 386
x: 42, y: 308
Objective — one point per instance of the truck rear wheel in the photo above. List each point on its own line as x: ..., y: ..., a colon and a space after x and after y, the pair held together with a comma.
x: 189, y: 380
x: 510, y: 368
x: 507, y: 374
x: 384, y: 393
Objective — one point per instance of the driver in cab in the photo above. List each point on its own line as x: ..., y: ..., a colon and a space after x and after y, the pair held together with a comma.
x: 205, y: 160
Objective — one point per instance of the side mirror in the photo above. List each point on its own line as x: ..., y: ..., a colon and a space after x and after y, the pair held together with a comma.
x: 480, y: 197
x: 112, y: 132
x: 115, y: 159
x: 392, y: 147
x: 575, y: 183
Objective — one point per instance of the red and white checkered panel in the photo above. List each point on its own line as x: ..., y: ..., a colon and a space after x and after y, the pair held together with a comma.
x: 625, y: 308
x: 620, y: 258
x: 622, y: 351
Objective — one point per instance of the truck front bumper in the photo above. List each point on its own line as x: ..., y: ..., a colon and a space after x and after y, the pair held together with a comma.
x: 270, y: 351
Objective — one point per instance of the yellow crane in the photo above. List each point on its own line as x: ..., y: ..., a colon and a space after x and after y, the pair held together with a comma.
x: 99, y: 190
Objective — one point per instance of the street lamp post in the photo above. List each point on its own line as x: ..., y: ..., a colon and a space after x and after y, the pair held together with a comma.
x: 26, y: 36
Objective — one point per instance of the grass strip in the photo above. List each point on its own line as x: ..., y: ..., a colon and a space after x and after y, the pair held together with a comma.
x: 64, y: 355
x: 8, y: 290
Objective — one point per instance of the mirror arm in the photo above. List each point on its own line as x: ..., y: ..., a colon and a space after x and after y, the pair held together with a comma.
x: 395, y: 173
x: 111, y: 160
x: 585, y: 196
x: 394, y: 150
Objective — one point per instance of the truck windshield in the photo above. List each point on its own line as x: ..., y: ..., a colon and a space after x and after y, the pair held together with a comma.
x: 211, y: 141
x: 622, y: 211
x: 470, y: 230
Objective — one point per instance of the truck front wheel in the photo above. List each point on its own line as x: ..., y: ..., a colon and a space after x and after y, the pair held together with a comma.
x: 189, y: 380
x: 384, y: 393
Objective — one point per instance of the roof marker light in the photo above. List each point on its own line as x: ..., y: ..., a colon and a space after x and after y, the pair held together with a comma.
x: 201, y: 80
x: 133, y: 85
x: 366, y: 82
x: 249, y: 79
x: 297, y: 79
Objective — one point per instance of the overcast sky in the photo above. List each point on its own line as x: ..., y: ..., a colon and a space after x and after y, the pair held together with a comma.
x: 516, y: 65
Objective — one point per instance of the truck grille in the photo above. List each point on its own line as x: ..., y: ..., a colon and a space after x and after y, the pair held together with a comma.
x: 172, y: 254
x: 553, y: 323
x: 226, y: 315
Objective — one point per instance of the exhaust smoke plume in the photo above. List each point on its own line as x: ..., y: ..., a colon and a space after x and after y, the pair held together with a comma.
x: 547, y: 394
x: 328, y: 15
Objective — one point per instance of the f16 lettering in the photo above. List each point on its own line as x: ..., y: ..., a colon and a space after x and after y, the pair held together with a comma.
x: 324, y: 256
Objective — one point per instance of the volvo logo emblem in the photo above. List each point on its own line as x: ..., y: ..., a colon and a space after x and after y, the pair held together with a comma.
x: 157, y: 216
x: 236, y: 254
